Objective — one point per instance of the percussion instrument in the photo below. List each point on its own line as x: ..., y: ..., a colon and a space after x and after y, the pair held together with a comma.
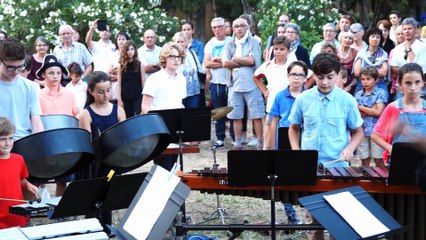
x: 221, y: 112
x: 407, y: 204
x: 134, y: 142
x: 72, y: 230
x: 35, y: 209
x: 56, y: 152
x: 55, y: 121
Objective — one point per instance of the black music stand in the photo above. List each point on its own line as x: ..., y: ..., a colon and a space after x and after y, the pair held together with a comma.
x: 335, y: 223
x: 186, y: 125
x: 404, y: 161
x: 94, y: 196
x: 272, y: 168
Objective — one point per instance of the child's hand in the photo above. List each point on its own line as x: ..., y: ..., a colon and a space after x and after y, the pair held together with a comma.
x: 30, y: 187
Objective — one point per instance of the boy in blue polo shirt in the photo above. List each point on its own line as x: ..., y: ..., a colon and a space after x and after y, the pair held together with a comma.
x: 331, y: 122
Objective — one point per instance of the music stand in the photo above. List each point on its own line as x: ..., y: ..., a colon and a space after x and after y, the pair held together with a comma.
x: 94, y: 196
x: 404, y: 161
x: 272, y: 168
x: 337, y: 226
x: 187, y: 125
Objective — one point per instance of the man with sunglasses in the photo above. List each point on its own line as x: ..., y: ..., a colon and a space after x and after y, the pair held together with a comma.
x: 18, y: 95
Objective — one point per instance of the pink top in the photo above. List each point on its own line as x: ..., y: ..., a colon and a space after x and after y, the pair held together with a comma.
x: 62, y: 102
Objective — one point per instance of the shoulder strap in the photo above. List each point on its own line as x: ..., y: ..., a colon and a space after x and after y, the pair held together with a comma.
x: 195, y: 60
x: 399, y: 103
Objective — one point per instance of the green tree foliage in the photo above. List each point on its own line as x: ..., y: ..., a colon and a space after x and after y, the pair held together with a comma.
x: 27, y: 19
x: 310, y: 15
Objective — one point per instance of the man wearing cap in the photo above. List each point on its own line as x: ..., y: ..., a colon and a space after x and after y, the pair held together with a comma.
x: 55, y: 99
x: 18, y: 96
x: 69, y: 51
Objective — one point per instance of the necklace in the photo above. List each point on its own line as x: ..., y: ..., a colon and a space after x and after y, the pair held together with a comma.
x: 347, y: 53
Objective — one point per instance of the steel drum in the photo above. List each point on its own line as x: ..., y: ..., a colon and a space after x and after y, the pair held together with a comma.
x: 134, y: 142
x: 56, y: 152
x: 55, y: 121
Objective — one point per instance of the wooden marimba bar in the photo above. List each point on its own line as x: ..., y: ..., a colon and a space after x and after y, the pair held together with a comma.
x: 407, y: 204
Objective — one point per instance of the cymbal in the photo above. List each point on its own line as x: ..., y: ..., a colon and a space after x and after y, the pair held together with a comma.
x: 221, y: 112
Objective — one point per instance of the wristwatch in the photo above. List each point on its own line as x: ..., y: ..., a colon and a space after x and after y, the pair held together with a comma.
x: 407, y: 50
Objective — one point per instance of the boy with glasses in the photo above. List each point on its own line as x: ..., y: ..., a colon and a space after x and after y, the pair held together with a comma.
x: 19, y: 97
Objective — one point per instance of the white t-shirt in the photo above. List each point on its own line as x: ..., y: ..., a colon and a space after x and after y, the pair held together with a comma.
x: 418, y: 48
x: 167, y: 92
x: 102, y: 55
x: 80, y: 93
x: 149, y: 56
x: 276, y: 76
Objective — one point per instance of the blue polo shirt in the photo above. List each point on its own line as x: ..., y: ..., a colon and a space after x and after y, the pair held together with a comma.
x: 282, y: 107
x: 326, y: 122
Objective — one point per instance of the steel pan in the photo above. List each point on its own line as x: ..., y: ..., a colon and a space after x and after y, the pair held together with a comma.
x: 54, y: 153
x: 55, y: 121
x: 134, y: 142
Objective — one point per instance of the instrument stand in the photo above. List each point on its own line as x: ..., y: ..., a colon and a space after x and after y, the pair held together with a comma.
x: 271, y: 168
x: 97, y: 196
x: 220, y: 213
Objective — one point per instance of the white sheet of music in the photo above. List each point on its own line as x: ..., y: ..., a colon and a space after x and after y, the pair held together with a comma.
x: 151, y: 203
x: 356, y: 214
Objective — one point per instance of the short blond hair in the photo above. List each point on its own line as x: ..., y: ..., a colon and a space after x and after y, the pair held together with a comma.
x: 6, y: 127
x: 166, y: 50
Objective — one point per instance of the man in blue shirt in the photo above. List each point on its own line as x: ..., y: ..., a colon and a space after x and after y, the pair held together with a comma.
x: 331, y: 122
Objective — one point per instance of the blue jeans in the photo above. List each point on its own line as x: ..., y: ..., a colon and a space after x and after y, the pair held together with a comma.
x: 289, y: 209
x: 219, y: 96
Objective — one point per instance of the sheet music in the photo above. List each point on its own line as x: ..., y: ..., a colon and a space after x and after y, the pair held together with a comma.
x: 12, y: 234
x: 151, y: 203
x: 356, y: 214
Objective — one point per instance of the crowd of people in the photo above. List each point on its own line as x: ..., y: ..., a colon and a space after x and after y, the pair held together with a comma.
x: 350, y: 93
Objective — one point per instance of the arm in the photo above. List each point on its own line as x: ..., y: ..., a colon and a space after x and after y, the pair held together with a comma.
x: 383, y: 70
x: 244, y: 61
x: 357, y: 67
x: 310, y: 82
x: 36, y: 124
x: 85, y: 121
x: 118, y: 90
x: 89, y: 34
x: 142, y: 67
x: 87, y: 71
x: 146, y: 103
x: 25, y: 185
x: 121, y: 114
x: 261, y: 86
x: 152, y: 68
x: 215, y: 62
x: 374, y: 111
x: 381, y: 142
x: 230, y: 64
x: 294, y: 136
x: 270, y: 144
x: 357, y: 135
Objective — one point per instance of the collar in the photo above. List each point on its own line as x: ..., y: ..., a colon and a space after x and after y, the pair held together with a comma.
x: 374, y: 92
x: 62, y: 44
x: 47, y: 91
x: 145, y: 48
x: 243, y: 39
x: 330, y: 96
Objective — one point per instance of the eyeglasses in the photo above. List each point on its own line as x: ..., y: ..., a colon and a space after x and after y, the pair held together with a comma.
x: 41, y: 45
x: 354, y: 32
x: 239, y: 26
x: 290, y: 32
x: 297, y: 75
x: 329, y: 30
x: 217, y: 27
x: 66, y: 33
x: 13, y: 68
x: 175, y: 57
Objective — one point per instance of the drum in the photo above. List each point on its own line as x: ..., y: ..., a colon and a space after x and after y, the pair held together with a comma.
x: 55, y: 121
x: 56, y: 152
x: 134, y: 142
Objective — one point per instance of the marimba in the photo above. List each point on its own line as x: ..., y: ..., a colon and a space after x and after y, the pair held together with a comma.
x: 407, y: 204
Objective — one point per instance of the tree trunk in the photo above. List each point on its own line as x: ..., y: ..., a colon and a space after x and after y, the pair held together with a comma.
x: 246, y: 7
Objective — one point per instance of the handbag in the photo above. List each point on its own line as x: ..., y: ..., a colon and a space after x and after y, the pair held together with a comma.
x: 201, y: 76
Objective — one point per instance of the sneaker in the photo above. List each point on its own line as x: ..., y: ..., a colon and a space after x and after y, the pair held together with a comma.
x: 218, y: 144
x: 237, y: 147
x: 244, y: 140
x: 253, y: 142
x: 292, y: 219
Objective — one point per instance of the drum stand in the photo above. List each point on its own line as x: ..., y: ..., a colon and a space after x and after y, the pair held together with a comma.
x: 219, y: 213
